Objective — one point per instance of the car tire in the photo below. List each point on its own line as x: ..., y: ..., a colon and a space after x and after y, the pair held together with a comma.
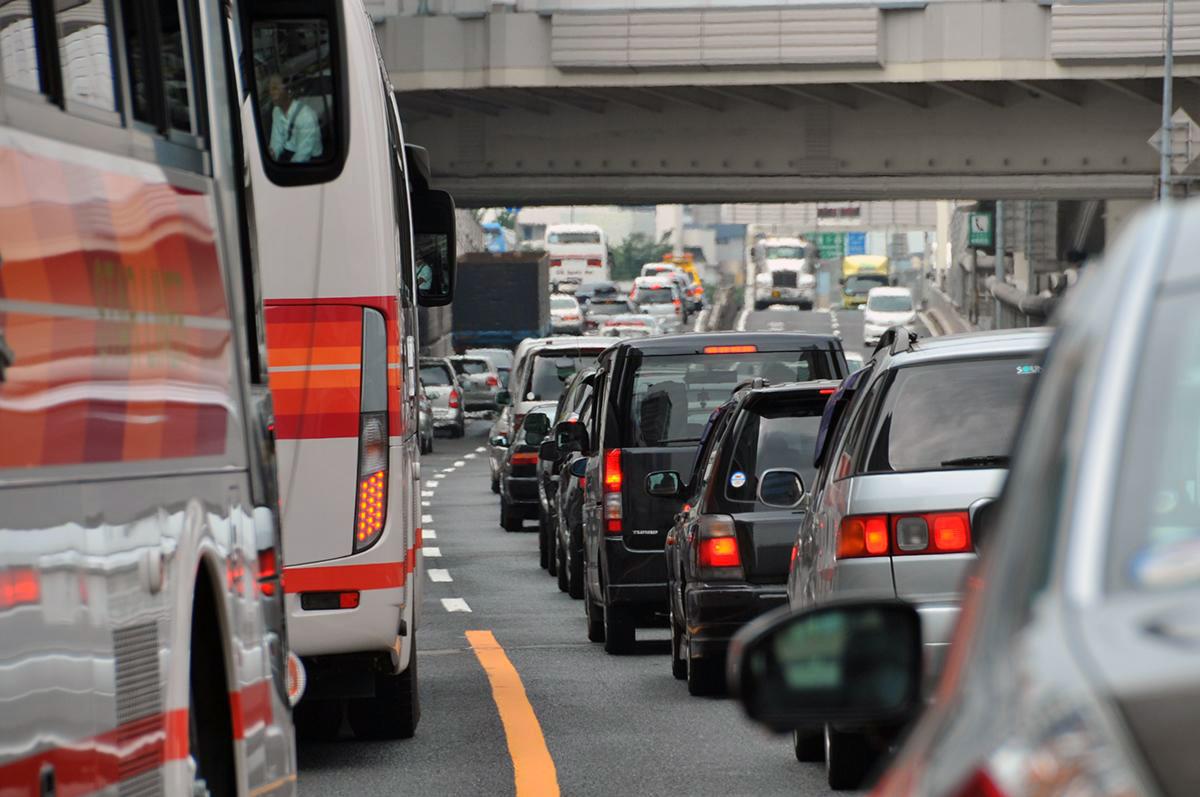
x: 574, y: 576
x: 495, y: 484
x: 543, y: 543
x: 552, y: 556
x: 808, y: 745
x: 595, y: 619
x: 394, y: 711
x: 560, y: 569
x: 678, y: 659
x: 759, y: 306
x: 705, y: 677
x: 509, y: 519
x: 460, y: 430
x: 847, y: 759
x: 619, y: 633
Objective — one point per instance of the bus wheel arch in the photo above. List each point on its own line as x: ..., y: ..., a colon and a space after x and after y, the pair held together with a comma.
x: 211, y: 742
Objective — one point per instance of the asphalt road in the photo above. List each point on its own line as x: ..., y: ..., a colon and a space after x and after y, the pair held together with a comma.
x: 846, y: 323
x: 612, y: 725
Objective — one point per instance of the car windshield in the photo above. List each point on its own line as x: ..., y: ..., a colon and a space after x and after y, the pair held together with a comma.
x: 771, y: 434
x: 860, y: 284
x: 653, y: 296
x: 892, y: 303
x: 563, y: 303
x: 471, y: 367
x: 608, y: 308
x: 1155, y: 538
x: 573, y: 238
x: 780, y: 252
x: 669, y: 398
x: 552, y: 370
x: 435, y: 376
x: 501, y: 358
x: 951, y: 415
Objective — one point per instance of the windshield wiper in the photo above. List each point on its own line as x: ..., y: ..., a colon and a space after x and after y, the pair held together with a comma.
x: 983, y: 461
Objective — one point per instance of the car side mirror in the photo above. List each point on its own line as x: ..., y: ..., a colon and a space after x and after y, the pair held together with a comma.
x: 499, y: 441
x: 548, y: 451
x: 434, y: 243
x: 842, y: 662
x: 781, y: 487
x: 664, y: 484
x: 578, y: 468
x: 504, y: 398
x: 571, y: 436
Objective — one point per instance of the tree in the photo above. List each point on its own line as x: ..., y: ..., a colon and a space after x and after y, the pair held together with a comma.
x: 636, y: 250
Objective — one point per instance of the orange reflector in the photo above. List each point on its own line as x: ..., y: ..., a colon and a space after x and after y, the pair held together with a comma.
x: 370, y: 506
x: 862, y: 535
x: 747, y: 348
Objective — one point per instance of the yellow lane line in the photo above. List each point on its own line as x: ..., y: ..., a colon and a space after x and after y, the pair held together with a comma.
x: 533, y: 768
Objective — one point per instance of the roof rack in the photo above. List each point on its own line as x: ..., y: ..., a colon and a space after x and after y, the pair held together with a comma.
x: 897, y: 339
x: 754, y: 383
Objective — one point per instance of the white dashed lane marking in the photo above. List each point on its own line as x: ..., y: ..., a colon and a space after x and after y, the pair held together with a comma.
x: 439, y: 575
x: 455, y: 605
x: 426, y: 494
x: 426, y: 503
x: 480, y: 450
x: 426, y: 518
x: 469, y: 456
x: 428, y: 534
x: 432, y: 552
x: 432, y: 485
x: 459, y: 464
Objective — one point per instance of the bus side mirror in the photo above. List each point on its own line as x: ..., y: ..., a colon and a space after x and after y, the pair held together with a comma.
x: 434, y: 243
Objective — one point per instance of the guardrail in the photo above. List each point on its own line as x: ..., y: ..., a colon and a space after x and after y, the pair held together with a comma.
x: 1018, y: 308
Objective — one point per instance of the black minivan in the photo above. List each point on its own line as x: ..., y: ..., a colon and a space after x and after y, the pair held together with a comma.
x: 657, y: 395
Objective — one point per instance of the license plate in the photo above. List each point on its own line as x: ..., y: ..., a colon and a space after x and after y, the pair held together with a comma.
x: 775, y: 294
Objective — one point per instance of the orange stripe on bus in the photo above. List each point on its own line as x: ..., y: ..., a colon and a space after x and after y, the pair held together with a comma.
x: 284, y: 357
x: 316, y: 380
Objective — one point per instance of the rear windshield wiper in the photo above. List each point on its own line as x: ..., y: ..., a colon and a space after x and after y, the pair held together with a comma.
x: 983, y: 461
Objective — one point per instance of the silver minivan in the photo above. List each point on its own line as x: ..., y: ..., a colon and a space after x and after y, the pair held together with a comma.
x: 913, y: 451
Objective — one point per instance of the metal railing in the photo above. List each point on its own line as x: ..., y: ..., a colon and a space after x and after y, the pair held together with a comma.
x: 1017, y: 308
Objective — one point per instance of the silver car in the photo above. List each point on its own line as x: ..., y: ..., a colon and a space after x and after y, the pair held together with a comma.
x: 480, y: 381
x: 445, y: 395
x: 424, y: 421
x: 660, y: 297
x: 914, y: 448
x: 566, y: 316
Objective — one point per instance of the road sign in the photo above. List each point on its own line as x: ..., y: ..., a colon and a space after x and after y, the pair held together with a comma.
x: 1185, y: 141
x: 832, y: 245
x: 979, y: 229
x: 856, y: 243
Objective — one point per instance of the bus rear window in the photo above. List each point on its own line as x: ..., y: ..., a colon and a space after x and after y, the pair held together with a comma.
x: 668, y: 399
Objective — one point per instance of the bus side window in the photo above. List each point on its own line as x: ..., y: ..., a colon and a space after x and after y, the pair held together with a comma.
x: 83, y: 52
x: 18, y: 46
x: 299, y: 91
x: 164, y: 67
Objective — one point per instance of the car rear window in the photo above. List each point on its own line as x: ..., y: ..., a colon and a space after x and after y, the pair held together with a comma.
x: 893, y: 303
x: 563, y: 303
x: 552, y: 370
x: 607, y: 308
x: 951, y: 415
x: 435, y: 376
x: 667, y: 399
x: 862, y: 283
x: 573, y: 238
x: 662, y: 295
x: 770, y: 434
x: 471, y: 367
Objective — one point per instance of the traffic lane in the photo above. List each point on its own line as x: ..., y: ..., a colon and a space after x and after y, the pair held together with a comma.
x: 780, y: 318
x: 613, y: 725
x: 459, y: 746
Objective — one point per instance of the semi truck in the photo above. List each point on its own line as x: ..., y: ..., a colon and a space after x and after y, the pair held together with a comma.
x: 501, y: 299
x: 783, y: 273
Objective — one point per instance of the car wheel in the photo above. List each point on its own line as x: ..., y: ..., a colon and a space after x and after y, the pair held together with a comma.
x: 543, y: 542
x: 560, y: 568
x: 510, y: 520
x: 394, y: 711
x: 705, y: 676
x: 847, y: 759
x: 678, y: 662
x: 808, y: 745
x: 495, y: 484
x: 460, y: 430
x: 574, y: 576
x: 759, y: 306
x: 618, y: 630
x: 595, y: 619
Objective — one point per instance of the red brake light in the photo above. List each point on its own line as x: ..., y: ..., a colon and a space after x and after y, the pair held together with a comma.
x: 863, y: 535
x: 555, y: 262
x: 719, y: 552
x: 827, y: 391
x: 525, y: 458
x: 347, y: 600
x: 594, y: 262
x: 676, y: 302
x: 951, y: 532
x: 747, y: 348
x: 582, y: 482
x: 613, y: 479
x: 453, y: 398
x: 492, y: 381
x: 932, y: 532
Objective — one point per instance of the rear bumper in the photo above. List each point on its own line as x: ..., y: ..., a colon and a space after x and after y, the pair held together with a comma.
x: 715, y: 611
x: 520, y: 490
x: 479, y: 400
x: 568, y: 328
x: 635, y: 579
x: 443, y: 417
x: 938, y: 620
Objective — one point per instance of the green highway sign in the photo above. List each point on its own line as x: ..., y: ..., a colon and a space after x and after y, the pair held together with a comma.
x: 979, y: 230
x: 831, y: 245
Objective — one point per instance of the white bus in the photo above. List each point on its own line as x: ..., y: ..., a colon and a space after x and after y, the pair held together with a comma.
x: 143, y: 637
x: 578, y: 253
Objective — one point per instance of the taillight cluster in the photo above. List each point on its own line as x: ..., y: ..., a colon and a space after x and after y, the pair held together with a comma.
x: 717, y: 553
x: 492, y: 381
x: 453, y: 401
x: 524, y: 458
x: 904, y: 534
x: 555, y: 262
x: 613, y: 480
x: 594, y: 262
x: 371, y: 511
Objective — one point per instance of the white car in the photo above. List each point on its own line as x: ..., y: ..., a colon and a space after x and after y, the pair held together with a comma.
x: 887, y: 307
x: 632, y: 325
x: 566, y: 316
x: 661, y: 298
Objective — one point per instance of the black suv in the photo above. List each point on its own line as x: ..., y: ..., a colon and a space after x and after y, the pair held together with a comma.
x: 552, y: 467
x: 729, y: 551
x: 654, y: 397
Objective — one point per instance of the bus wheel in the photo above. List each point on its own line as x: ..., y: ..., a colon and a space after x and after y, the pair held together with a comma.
x: 396, y: 708
x: 210, y: 726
